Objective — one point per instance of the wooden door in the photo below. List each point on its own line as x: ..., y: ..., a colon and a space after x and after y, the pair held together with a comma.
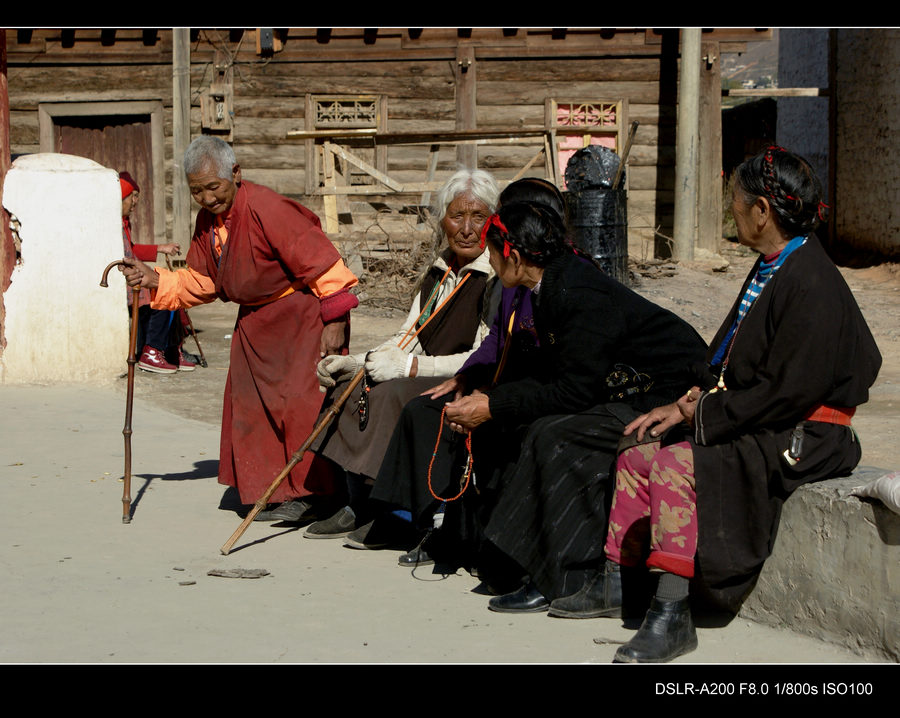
x: 122, y: 143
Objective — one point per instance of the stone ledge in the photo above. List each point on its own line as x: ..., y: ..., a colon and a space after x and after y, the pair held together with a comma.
x: 835, y: 570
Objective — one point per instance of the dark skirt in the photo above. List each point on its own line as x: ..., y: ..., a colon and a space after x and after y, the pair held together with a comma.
x: 402, y: 480
x: 362, y: 452
x: 537, y: 503
x: 552, y: 505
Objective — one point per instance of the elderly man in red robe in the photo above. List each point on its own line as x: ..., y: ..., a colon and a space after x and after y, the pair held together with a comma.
x: 268, y: 254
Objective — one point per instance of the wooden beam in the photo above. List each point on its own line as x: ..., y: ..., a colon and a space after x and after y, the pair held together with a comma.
x: 528, y: 165
x: 330, y: 201
x: 777, y: 92
x: 465, y: 102
x: 426, y: 138
x: 432, y: 167
x: 363, y: 165
x: 410, y: 188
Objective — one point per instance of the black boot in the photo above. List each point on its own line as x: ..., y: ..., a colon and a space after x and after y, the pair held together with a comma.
x: 600, y: 596
x: 526, y: 600
x: 666, y: 633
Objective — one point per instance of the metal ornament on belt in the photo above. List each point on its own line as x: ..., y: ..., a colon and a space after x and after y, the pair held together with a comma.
x: 362, y: 404
x: 624, y: 381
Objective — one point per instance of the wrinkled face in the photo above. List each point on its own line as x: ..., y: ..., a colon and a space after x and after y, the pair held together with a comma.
x: 214, y: 193
x: 462, y: 223
x: 128, y: 204
x: 504, y: 267
x: 742, y: 213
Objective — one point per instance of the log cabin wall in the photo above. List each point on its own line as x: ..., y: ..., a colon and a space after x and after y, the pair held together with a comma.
x: 274, y: 72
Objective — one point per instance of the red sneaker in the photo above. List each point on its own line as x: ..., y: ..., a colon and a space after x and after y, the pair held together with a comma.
x: 153, y: 360
x: 185, y: 364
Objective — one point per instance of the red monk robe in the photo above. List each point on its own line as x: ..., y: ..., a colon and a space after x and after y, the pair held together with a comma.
x: 289, y: 280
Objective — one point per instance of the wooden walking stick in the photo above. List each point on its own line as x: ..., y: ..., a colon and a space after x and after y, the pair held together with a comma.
x: 333, y: 411
x: 263, y: 500
x: 621, y: 170
x: 126, y: 432
x: 190, y: 324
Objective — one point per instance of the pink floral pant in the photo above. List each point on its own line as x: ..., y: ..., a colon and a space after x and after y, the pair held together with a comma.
x: 654, y: 506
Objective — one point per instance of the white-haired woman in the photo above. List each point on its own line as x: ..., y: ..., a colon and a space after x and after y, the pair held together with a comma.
x: 449, y: 318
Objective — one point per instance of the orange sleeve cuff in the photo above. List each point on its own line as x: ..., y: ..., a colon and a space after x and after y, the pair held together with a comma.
x: 334, y: 279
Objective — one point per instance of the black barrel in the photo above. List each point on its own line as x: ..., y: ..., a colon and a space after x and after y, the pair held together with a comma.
x: 598, y: 222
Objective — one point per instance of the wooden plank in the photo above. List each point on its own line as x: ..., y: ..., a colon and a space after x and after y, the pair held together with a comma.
x: 410, y: 188
x: 567, y: 70
x: 330, y: 200
x: 429, y: 138
x: 433, y: 153
x: 777, y: 92
x: 521, y: 173
x: 365, y: 166
x: 466, y: 88
x: 505, y: 93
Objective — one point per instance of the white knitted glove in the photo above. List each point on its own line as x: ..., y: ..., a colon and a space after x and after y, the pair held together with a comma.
x: 335, y: 367
x: 388, y: 363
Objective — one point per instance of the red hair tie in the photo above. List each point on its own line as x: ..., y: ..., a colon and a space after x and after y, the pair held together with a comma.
x: 494, y: 220
x: 820, y: 212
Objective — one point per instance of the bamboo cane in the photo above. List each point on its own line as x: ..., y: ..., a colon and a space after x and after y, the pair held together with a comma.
x: 263, y: 500
x: 129, y: 400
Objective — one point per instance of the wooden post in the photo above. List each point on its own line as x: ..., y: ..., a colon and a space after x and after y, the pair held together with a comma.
x: 467, y: 155
x: 709, y: 190
x: 429, y: 175
x: 686, y: 145
x: 181, y: 133
x: 329, y: 201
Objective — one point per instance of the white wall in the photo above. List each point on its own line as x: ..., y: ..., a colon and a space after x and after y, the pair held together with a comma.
x: 61, y: 326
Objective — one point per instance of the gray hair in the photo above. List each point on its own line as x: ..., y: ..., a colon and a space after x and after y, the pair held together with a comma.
x: 478, y: 183
x: 208, y: 150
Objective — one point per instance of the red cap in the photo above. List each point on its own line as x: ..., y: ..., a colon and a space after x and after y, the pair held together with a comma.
x: 128, y: 184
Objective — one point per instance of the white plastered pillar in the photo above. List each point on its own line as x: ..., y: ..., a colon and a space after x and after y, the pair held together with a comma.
x: 61, y: 325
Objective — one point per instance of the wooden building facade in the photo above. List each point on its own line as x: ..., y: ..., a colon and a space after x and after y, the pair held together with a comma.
x: 409, y: 105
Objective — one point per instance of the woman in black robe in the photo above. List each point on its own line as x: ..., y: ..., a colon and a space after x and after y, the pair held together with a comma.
x: 544, y: 445
x: 787, y: 369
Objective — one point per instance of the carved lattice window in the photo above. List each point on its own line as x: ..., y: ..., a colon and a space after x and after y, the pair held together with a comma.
x: 588, y: 114
x: 345, y: 111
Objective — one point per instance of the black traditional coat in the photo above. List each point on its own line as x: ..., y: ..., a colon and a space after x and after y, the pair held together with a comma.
x: 587, y: 323
x: 803, y: 343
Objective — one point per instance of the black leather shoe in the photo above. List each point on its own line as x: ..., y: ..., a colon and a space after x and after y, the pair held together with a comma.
x: 666, y: 633
x: 526, y: 600
x: 600, y: 596
x: 416, y: 557
x: 292, y: 511
x: 336, y: 526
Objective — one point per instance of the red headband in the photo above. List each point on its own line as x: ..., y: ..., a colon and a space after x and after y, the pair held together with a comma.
x: 494, y: 220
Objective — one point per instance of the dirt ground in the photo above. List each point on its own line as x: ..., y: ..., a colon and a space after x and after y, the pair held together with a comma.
x: 698, y: 294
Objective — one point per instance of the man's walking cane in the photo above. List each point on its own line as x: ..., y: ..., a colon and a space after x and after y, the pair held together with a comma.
x: 263, y: 500
x: 126, y: 432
